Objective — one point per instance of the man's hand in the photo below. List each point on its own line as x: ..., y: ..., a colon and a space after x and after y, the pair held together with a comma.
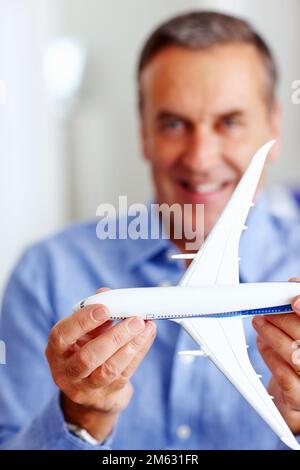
x: 278, y: 341
x: 92, y: 362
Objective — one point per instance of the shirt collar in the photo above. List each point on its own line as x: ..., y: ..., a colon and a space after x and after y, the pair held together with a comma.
x: 261, y: 246
x: 142, y: 249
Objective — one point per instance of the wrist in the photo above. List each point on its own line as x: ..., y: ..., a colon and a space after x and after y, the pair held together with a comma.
x: 97, y: 423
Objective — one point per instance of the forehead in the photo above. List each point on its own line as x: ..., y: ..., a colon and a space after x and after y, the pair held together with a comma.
x: 220, y: 77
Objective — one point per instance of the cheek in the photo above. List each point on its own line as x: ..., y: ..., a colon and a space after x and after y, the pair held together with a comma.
x: 164, y: 156
x: 238, y: 156
x: 162, y: 151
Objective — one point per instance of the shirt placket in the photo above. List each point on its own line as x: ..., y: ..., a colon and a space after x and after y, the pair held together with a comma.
x: 184, y: 402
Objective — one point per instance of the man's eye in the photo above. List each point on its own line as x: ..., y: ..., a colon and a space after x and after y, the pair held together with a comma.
x: 175, y: 124
x: 230, y: 122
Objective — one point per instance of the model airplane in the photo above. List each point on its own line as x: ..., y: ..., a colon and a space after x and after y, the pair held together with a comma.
x: 209, y: 302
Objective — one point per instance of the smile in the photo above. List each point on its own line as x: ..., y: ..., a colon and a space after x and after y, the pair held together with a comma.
x: 204, y: 188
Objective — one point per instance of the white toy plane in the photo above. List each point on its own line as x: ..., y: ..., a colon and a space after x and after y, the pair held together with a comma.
x: 209, y: 302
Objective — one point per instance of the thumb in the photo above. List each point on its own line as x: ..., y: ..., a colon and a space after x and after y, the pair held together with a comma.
x: 296, y: 300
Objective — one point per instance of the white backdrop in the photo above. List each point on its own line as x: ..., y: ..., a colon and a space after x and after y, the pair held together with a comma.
x: 51, y: 174
x: 31, y: 191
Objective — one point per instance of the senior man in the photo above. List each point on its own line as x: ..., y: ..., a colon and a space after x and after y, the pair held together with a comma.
x: 207, y: 102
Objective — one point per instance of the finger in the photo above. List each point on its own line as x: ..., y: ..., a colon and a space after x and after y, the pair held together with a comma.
x: 296, y: 300
x: 296, y: 305
x: 131, y: 368
x: 98, y: 350
x: 275, y: 338
x: 67, y: 331
x: 290, y: 415
x: 289, y: 323
x: 93, y: 334
x: 119, y: 367
x: 100, y: 329
x: 103, y: 289
x: 286, y: 377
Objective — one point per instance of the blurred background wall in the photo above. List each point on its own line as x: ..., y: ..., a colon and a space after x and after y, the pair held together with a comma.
x: 60, y: 158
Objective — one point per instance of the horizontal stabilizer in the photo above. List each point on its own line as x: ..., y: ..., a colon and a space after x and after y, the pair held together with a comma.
x: 184, y: 256
x: 197, y: 352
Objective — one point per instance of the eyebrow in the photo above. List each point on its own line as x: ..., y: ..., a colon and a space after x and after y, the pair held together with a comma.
x: 165, y: 115
x: 232, y: 113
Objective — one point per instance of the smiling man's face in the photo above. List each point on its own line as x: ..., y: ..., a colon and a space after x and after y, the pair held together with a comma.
x: 204, y: 114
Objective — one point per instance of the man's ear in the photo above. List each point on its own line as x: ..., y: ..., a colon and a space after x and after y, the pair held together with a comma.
x: 275, y: 130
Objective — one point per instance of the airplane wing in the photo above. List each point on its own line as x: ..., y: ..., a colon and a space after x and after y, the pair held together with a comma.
x: 223, y: 339
x: 217, y: 262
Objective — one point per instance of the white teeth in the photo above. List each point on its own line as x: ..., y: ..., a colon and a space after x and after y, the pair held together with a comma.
x: 207, y: 187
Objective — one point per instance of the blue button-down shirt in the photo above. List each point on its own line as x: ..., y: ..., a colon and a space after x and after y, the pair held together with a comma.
x: 178, y: 403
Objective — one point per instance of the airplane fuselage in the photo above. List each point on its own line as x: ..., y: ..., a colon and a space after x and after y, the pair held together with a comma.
x: 172, y: 303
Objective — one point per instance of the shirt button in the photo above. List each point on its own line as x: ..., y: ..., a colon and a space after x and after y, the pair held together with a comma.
x: 183, y: 431
x: 164, y: 283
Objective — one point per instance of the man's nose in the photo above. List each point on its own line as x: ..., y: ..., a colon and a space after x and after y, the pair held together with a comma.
x: 202, y: 151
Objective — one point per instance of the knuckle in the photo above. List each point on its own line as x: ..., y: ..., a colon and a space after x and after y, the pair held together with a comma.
x: 117, y: 338
x: 125, y: 376
x: 72, y: 371
x: 81, y: 362
x: 59, y: 380
x: 276, y: 344
x: 137, y: 343
x: 121, y: 382
x: 260, y: 344
x: 108, y: 372
x: 264, y: 328
x: 83, y: 320
x: 85, y: 359
x: 283, y: 380
x: 289, y: 398
x: 56, y: 337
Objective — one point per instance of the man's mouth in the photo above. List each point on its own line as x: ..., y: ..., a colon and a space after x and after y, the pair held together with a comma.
x: 204, y: 188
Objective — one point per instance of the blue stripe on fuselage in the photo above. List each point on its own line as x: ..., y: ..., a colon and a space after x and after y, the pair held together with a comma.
x: 254, y: 311
x: 238, y: 313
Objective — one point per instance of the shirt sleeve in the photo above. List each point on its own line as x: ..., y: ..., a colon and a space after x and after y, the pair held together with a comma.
x: 30, y: 413
x: 48, y: 431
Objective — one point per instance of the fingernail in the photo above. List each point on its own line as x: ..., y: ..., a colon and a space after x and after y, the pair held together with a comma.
x: 259, y: 321
x: 150, y: 328
x: 296, y: 358
x: 136, y: 325
x: 296, y: 305
x: 100, y: 313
